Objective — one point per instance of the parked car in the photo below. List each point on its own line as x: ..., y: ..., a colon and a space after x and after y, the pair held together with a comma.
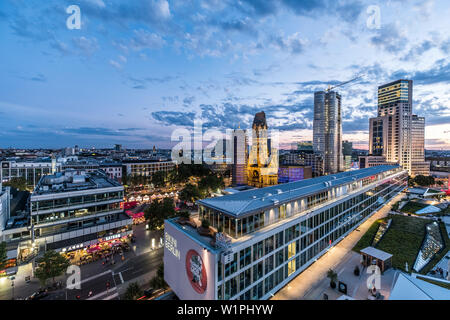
x: 38, y: 295
x: 149, y: 292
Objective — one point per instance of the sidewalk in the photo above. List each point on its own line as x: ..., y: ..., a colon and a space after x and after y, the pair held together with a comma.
x: 313, y: 281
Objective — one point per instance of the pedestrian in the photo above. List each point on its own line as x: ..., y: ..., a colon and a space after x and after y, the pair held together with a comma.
x: 90, y: 294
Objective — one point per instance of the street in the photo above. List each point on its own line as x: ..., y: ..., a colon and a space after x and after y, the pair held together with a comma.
x: 140, y: 264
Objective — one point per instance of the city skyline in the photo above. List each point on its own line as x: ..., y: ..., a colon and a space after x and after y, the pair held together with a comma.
x: 133, y: 78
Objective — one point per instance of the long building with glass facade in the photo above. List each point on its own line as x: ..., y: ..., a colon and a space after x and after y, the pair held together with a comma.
x: 270, y: 235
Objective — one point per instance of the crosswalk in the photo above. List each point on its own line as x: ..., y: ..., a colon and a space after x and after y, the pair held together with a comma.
x: 106, y: 295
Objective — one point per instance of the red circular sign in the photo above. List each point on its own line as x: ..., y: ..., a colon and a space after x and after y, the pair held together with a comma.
x: 196, y: 271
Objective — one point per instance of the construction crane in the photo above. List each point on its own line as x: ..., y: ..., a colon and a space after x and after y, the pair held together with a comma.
x: 342, y: 83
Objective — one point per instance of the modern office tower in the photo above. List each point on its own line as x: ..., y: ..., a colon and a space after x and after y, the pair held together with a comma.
x: 327, y: 130
x: 271, y: 235
x: 239, y: 157
x: 378, y: 136
x: 347, y: 148
x: 395, y: 103
x: 418, y: 164
x: 73, y: 210
x: 262, y: 167
x: 392, y: 131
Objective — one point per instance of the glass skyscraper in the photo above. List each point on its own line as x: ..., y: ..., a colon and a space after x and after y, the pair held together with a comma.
x: 327, y: 130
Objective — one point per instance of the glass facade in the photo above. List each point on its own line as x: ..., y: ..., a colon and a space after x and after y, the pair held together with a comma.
x: 262, y: 264
x: 238, y: 227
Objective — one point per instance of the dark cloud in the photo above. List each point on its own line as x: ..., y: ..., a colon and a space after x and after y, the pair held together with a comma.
x: 418, y: 50
x: 438, y: 73
x: 229, y: 116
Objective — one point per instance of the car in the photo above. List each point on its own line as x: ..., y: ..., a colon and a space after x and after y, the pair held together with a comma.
x: 38, y: 295
x: 149, y: 292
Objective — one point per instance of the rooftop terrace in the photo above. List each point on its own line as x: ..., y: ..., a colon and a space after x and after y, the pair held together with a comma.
x: 73, y: 180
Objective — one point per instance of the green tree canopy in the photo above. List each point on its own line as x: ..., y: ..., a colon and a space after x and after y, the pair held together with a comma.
x: 190, y: 192
x: 133, y: 291
x: 210, y: 184
x: 423, y: 180
x: 158, y: 211
x: 159, y: 179
x: 17, y: 182
x: 51, y: 265
x: 157, y: 281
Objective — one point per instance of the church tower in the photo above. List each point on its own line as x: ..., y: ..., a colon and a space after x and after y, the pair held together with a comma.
x: 262, y: 168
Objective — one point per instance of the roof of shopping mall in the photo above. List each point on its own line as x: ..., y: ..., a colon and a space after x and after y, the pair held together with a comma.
x: 244, y: 202
x: 73, y: 180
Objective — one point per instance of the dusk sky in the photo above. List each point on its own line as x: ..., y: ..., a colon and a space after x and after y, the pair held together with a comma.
x: 138, y: 69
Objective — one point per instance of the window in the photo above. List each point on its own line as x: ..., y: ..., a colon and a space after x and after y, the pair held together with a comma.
x: 292, y: 250
x: 282, y: 209
x: 291, y: 267
x: 268, y: 244
x: 258, y: 250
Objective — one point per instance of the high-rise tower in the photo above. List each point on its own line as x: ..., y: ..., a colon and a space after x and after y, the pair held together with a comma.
x: 327, y: 130
x: 240, y: 157
x: 396, y: 133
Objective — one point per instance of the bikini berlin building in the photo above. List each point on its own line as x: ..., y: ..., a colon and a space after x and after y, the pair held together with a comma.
x: 270, y: 235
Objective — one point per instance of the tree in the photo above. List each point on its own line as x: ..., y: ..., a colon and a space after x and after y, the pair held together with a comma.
x: 209, y: 184
x: 158, y: 281
x: 157, y: 212
x: 332, y: 275
x: 2, y: 255
x: 158, y: 179
x: 424, y: 180
x: 19, y: 183
x: 190, y: 193
x: 51, y: 265
x: 205, y: 224
x: 133, y: 291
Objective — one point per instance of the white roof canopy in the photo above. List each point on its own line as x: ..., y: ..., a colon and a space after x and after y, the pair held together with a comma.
x: 376, y: 253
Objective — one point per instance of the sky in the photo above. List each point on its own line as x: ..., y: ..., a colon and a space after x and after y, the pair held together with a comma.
x: 135, y: 71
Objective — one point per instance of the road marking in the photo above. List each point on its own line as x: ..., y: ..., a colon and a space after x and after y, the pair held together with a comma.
x: 121, y: 278
x: 102, y: 294
x: 111, y: 297
x: 90, y: 278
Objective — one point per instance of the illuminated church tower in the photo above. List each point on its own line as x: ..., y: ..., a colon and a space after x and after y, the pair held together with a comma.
x: 262, y: 168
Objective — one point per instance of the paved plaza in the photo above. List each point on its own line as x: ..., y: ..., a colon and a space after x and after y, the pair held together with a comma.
x: 313, y: 282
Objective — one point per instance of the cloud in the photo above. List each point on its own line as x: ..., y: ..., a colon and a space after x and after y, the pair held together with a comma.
x: 294, y: 43
x: 389, y: 38
x: 97, y: 131
x: 85, y: 46
x: 143, y: 39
